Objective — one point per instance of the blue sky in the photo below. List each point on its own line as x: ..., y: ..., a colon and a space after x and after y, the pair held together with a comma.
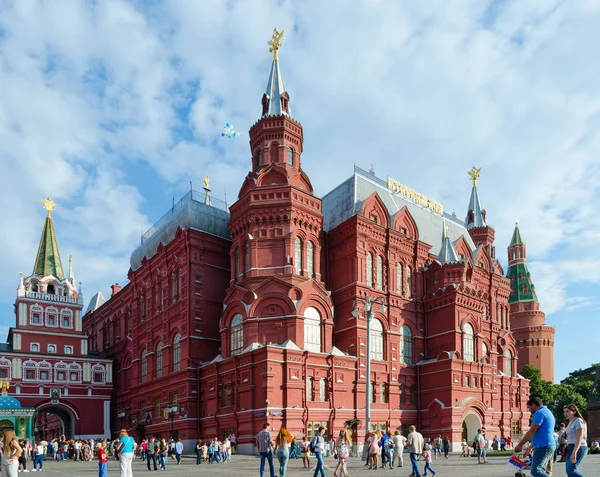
x: 113, y: 107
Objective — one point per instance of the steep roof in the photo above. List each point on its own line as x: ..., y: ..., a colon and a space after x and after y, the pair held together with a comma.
x: 516, y: 237
x: 96, y: 302
x: 274, y: 92
x: 475, y: 207
x: 448, y: 253
x: 48, y: 261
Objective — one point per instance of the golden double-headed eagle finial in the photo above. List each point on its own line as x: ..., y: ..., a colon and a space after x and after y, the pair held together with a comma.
x: 5, y: 384
x: 48, y: 204
x: 473, y: 174
x: 275, y: 43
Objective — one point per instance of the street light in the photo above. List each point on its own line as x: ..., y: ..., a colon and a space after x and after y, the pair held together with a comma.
x: 172, y: 408
x: 368, y: 305
x: 121, y: 415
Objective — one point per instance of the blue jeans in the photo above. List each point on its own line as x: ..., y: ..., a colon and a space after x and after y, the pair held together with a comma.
x: 102, y: 467
x: 539, y: 460
x: 198, y: 457
x: 570, y: 467
x: 38, y: 459
x: 319, y: 467
x: 428, y: 468
x: 388, y: 458
x: 282, y: 455
x: 414, y: 457
x: 269, y: 457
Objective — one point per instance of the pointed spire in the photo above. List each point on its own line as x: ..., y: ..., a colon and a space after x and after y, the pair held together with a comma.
x: 21, y: 287
x: 276, y: 99
x: 47, y: 261
x: 71, y: 275
x: 448, y: 253
x: 475, y: 215
x: 80, y: 295
x: 516, y: 238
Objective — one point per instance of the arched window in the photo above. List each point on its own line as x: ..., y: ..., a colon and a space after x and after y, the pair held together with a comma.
x: 376, y: 340
x: 60, y: 371
x: 509, y: 362
x: 312, y: 330
x: 310, y: 258
x: 35, y: 315
x: 144, y: 367
x: 260, y: 158
x: 98, y: 374
x: 399, y: 278
x: 66, y: 318
x: 369, y: 270
x: 236, y: 263
x: 5, y: 368
x: 237, y: 335
x: 408, y: 287
x: 403, y: 392
x: 468, y: 351
x: 159, y: 360
x: 50, y: 289
x: 379, y: 273
x: 246, y: 258
x: 176, y: 352
x: 298, y: 255
x: 484, y: 350
x: 45, y: 371
x: 75, y: 373
x: 406, y: 345
x: 290, y: 156
x: 30, y: 371
x: 34, y: 287
x: 51, y: 316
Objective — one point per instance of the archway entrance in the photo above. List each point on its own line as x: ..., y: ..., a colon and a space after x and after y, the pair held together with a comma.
x: 471, y: 423
x: 50, y: 422
x: 6, y: 425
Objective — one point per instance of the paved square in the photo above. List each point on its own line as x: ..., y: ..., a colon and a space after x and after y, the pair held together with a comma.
x: 246, y: 466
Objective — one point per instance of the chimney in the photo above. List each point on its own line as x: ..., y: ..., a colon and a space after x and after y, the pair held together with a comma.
x: 116, y: 288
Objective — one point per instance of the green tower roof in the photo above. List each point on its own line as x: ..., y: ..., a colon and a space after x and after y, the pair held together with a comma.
x: 47, y: 261
x: 521, y: 284
x: 516, y: 238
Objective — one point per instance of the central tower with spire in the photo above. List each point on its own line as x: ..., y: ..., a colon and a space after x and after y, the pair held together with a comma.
x: 479, y: 230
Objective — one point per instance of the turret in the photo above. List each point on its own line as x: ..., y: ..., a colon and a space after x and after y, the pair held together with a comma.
x: 479, y: 230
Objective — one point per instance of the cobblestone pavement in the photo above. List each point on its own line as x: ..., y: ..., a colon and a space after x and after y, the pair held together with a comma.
x: 246, y: 466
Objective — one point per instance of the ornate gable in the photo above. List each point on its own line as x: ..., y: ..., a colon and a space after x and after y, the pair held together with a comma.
x: 405, y: 224
x: 374, y: 209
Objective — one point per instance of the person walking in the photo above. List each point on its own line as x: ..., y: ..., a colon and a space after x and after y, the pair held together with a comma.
x: 341, y: 445
x: 151, y: 447
x: 178, y: 450
x: 102, y: 459
x: 282, y: 449
x: 38, y: 459
x: 305, y: 452
x: 382, y: 440
x: 373, y: 444
x: 427, y: 457
x: 541, y: 436
x: 318, y: 443
x: 161, y: 449
x: 10, y: 454
x: 481, y: 447
x: 388, y: 450
x: 576, y: 432
x: 264, y: 443
x: 415, y: 445
x: 446, y: 446
x: 125, y: 449
x: 399, y: 443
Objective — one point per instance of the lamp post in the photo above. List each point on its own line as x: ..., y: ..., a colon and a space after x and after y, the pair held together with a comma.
x: 172, y: 411
x: 368, y: 305
x: 121, y: 415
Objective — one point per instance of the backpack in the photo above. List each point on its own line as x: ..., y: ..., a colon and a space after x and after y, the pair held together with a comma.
x: 314, y: 444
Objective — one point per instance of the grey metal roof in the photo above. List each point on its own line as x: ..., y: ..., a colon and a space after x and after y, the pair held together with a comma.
x: 346, y: 201
x: 189, y: 212
x: 96, y: 302
x: 448, y: 253
x: 275, y: 88
x: 475, y: 206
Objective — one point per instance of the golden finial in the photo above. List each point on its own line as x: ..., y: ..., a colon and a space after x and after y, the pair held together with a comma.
x: 517, y: 223
x: 70, y: 259
x: 48, y: 204
x: 206, y: 182
x: 275, y: 43
x: 474, y: 173
x: 5, y: 384
x: 446, y: 230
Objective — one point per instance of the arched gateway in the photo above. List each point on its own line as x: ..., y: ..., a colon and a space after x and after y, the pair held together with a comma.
x: 471, y: 423
x: 52, y: 420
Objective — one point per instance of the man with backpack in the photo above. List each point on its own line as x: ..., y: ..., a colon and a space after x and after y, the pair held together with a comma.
x: 317, y: 445
x: 264, y: 443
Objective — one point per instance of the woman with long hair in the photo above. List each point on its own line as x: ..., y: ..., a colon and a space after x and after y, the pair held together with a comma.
x: 373, y: 443
x: 342, y: 449
x: 282, y: 449
x: 576, y: 440
x: 10, y: 454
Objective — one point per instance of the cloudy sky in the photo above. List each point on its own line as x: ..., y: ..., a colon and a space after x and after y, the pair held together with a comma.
x: 113, y: 107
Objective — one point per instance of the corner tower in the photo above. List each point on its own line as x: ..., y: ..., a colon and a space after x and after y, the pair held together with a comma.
x: 479, y: 230
x: 276, y: 294
x: 534, y: 339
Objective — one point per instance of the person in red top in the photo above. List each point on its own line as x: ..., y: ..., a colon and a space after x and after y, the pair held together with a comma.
x: 102, y: 459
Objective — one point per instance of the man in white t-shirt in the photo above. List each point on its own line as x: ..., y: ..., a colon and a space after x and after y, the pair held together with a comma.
x: 481, y: 447
x: 399, y: 443
x: 415, y: 444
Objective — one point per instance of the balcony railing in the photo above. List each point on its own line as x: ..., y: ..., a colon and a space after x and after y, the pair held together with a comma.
x: 50, y: 297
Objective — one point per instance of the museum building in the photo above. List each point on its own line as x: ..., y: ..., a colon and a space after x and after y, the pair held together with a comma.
x: 259, y: 313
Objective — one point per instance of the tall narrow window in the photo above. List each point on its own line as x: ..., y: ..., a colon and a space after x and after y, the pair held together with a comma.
x: 468, y: 343
x: 376, y: 340
x: 309, y: 388
x: 399, y: 278
x: 383, y: 398
x: 484, y: 350
x: 246, y: 258
x: 237, y: 335
x: 408, y: 287
x: 322, y: 389
x: 177, y: 352
x: 509, y: 362
x: 403, y: 392
x: 312, y: 330
x: 144, y: 370
x: 310, y: 259
x: 236, y: 263
x: 379, y: 273
x: 159, y: 363
x: 369, y: 269
x: 290, y: 156
x: 178, y: 285
x: 171, y: 288
x: 406, y: 345
x: 298, y: 255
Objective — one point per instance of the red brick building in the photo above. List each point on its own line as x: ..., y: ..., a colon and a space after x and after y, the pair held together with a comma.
x: 249, y: 317
x: 46, y: 356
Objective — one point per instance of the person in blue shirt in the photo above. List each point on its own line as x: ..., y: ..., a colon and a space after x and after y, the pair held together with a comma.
x: 541, y: 435
x: 125, y: 450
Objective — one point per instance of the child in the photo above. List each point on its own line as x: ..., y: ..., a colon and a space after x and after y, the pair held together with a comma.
x: 102, y: 459
x: 427, y: 456
x: 305, y: 452
x: 465, y: 448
